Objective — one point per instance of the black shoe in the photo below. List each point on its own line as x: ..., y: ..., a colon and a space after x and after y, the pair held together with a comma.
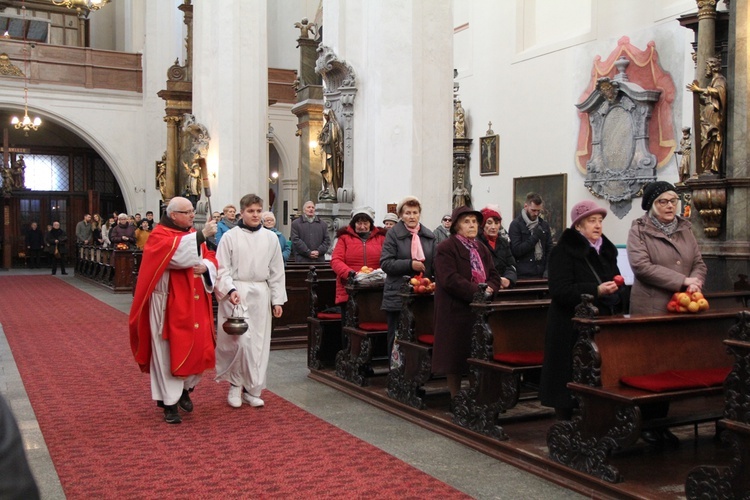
x: 185, y: 402
x: 654, y: 437
x: 170, y: 414
x: 64, y: 272
x: 54, y: 272
x: 160, y: 403
x: 670, y: 438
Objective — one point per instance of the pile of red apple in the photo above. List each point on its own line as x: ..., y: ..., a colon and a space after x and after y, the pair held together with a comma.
x: 683, y: 302
x: 420, y: 284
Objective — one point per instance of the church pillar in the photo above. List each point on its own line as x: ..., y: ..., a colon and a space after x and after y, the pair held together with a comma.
x: 230, y: 95
x: 402, y: 54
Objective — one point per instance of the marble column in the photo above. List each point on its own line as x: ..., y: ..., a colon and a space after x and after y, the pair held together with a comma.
x: 401, y: 53
x: 230, y: 95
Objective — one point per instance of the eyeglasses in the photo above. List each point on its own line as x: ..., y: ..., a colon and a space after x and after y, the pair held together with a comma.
x: 446, y: 219
x: 188, y: 212
x: 664, y: 202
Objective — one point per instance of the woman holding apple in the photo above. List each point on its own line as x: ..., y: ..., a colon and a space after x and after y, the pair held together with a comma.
x: 665, y: 259
x: 662, y: 252
x: 408, y: 250
x: 461, y: 264
x: 583, y: 262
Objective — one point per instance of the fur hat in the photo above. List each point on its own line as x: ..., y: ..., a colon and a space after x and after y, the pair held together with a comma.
x: 366, y: 211
x: 584, y: 209
x: 406, y: 200
x: 390, y: 216
x: 488, y: 213
x: 464, y: 210
x: 652, y: 191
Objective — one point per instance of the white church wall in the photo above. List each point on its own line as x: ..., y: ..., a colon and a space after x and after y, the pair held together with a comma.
x: 530, y: 95
x: 282, y: 35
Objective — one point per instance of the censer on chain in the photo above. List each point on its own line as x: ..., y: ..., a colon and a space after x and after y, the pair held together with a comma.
x: 235, y: 324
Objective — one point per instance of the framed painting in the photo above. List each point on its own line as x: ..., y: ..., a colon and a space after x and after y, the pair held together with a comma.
x: 553, y: 190
x: 489, y: 150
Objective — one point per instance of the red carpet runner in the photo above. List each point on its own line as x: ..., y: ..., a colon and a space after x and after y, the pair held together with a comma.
x: 108, y: 440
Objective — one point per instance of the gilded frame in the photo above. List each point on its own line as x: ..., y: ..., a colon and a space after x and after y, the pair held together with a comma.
x: 489, y: 149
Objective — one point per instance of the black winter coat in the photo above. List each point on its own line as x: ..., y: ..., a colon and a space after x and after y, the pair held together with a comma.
x: 570, y: 277
x: 522, y: 244
x: 502, y: 257
x: 395, y: 261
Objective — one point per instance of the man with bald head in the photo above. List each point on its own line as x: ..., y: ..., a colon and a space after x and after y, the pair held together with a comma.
x: 310, y: 238
x: 171, y: 319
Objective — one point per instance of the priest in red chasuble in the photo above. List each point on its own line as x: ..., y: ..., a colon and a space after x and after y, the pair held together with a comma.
x: 171, y: 320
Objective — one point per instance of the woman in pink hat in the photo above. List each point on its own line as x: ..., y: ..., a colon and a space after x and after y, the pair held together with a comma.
x: 583, y: 262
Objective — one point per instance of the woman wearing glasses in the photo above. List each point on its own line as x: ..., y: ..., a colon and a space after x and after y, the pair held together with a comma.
x: 665, y: 259
x: 663, y: 252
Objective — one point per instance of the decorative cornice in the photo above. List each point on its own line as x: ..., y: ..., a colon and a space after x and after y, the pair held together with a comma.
x: 7, y: 68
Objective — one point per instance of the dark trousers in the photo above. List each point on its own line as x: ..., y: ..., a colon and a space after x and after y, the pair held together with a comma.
x: 55, y: 262
x: 392, y: 317
x: 34, y: 257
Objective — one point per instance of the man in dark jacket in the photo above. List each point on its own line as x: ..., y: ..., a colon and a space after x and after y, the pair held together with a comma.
x: 34, y: 245
x: 310, y: 239
x: 531, y: 239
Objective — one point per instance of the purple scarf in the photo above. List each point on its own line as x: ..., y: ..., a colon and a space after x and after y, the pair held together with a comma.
x: 478, y: 274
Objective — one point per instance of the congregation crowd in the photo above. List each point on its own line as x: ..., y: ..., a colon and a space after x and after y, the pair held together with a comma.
x: 240, y: 256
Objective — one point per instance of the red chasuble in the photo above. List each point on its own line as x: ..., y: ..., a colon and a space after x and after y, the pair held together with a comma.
x: 188, y: 318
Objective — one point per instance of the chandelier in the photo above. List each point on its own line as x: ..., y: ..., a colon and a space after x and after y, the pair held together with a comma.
x: 25, y: 123
x: 82, y: 5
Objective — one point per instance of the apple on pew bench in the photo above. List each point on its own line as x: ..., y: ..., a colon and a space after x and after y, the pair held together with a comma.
x: 680, y: 355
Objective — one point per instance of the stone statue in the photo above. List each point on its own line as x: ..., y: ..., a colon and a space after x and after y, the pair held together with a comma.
x: 332, y: 142
x: 19, y: 173
x: 686, y: 146
x: 459, y: 122
x: 305, y: 28
x: 194, y: 183
x: 713, y: 119
x: 7, y: 180
x: 161, y: 177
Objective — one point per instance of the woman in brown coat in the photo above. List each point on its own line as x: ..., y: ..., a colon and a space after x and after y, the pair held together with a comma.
x: 461, y: 264
x: 663, y: 252
x: 665, y: 259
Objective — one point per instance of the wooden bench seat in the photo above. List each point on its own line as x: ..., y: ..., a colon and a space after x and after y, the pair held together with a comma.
x: 709, y: 481
x: 365, y: 334
x: 324, y: 329
x: 291, y: 330
x: 415, y: 357
x: 612, y: 347
x: 512, y: 328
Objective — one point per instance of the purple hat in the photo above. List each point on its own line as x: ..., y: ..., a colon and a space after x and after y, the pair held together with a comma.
x: 584, y: 209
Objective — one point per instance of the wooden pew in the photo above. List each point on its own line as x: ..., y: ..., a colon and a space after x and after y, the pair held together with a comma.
x: 365, y: 333
x: 507, y: 347
x: 324, y: 329
x: 415, y: 336
x: 612, y: 347
x: 290, y: 330
x: 110, y: 268
x: 734, y: 481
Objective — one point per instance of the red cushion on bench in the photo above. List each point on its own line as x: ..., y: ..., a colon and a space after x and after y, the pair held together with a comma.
x: 520, y: 357
x: 427, y: 339
x: 708, y: 377
x: 322, y: 315
x: 373, y: 327
x: 676, y: 380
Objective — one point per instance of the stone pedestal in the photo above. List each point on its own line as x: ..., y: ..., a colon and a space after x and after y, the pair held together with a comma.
x: 336, y: 215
